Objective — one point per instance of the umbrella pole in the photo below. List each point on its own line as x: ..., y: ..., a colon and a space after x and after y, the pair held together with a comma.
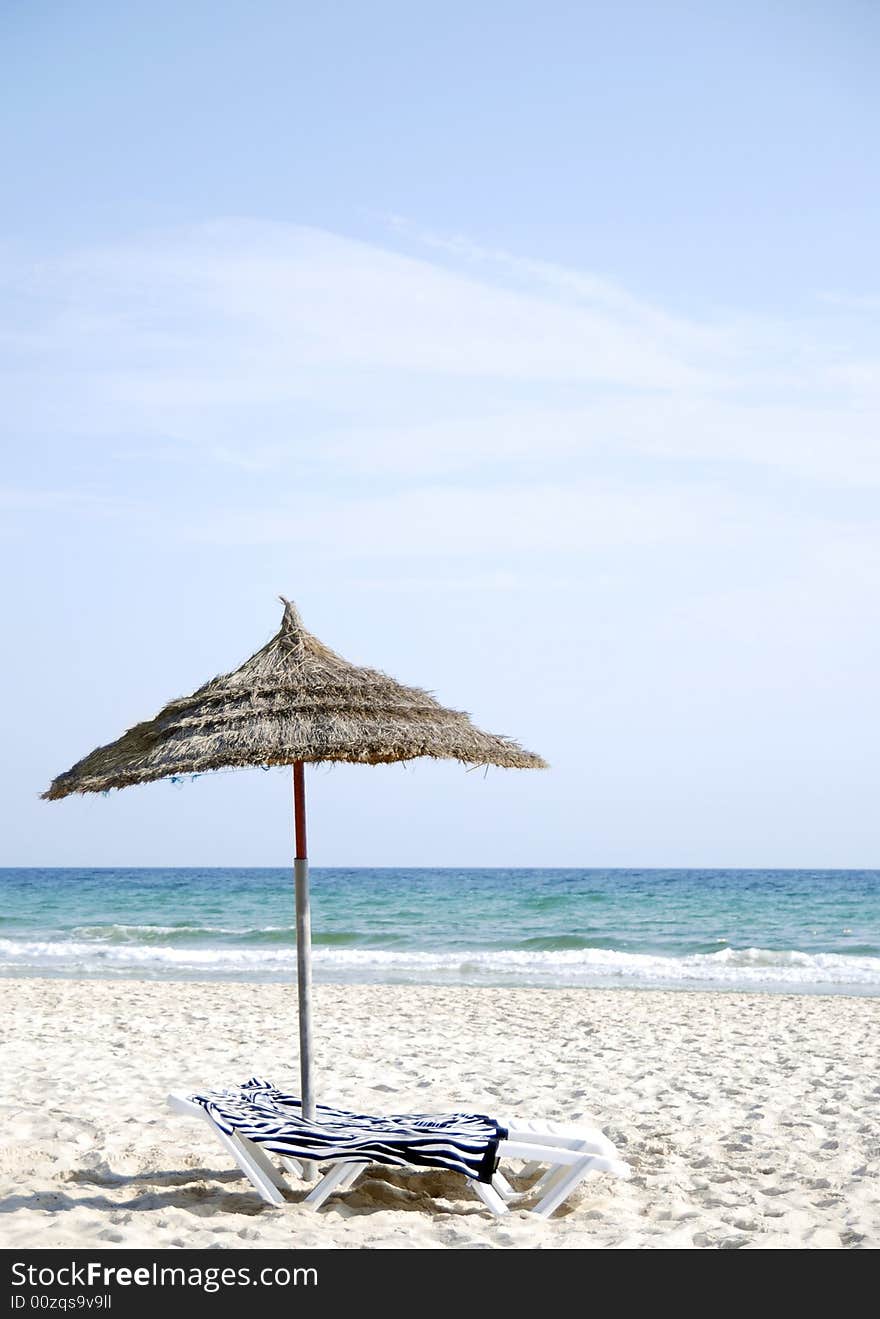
x: 303, y: 942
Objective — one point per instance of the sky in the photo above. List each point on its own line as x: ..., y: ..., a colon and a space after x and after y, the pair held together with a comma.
x: 532, y: 349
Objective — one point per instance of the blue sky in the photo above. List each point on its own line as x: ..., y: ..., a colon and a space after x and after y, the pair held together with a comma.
x: 533, y: 350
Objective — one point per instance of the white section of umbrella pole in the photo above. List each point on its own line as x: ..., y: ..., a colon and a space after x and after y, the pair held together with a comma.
x: 303, y: 954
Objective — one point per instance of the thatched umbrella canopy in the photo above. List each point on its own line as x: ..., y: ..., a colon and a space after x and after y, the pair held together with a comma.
x: 294, y: 701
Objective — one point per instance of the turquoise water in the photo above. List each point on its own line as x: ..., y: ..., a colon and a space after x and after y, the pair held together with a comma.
x: 804, y: 930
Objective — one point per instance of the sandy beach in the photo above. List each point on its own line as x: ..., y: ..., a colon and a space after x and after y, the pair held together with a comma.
x: 750, y: 1120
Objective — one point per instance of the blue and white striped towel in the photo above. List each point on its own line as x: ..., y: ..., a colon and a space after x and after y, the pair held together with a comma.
x: 463, y: 1142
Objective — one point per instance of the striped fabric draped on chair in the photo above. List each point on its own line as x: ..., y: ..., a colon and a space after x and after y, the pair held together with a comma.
x: 461, y: 1142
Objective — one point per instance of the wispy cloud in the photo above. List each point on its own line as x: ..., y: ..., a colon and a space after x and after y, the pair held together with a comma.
x: 301, y: 387
x: 274, y: 303
x: 262, y: 345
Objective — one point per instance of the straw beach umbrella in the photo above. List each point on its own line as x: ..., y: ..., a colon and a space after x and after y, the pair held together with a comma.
x: 294, y: 701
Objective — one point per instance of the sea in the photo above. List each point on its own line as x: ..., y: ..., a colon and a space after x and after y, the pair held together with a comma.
x: 794, y: 931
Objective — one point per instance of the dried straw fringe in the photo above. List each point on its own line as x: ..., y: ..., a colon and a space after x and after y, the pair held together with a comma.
x: 295, y: 699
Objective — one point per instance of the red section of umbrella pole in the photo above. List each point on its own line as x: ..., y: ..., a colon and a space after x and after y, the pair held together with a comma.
x: 299, y: 809
x: 303, y: 942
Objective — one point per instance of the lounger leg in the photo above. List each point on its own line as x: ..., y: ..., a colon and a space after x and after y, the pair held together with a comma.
x: 561, y: 1189
x: 552, y: 1176
x: 490, y: 1198
x: 330, y: 1182
x: 293, y: 1166
x: 246, y: 1155
x: 503, y: 1186
x: 348, y: 1182
x: 262, y: 1160
x: 251, y: 1169
x: 555, y: 1174
x: 596, y: 1143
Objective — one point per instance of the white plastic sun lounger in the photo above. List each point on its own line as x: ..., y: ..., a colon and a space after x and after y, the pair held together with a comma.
x: 564, y: 1155
x: 568, y: 1162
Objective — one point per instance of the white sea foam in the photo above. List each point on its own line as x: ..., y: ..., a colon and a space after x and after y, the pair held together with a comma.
x: 108, y: 933
x: 728, y: 968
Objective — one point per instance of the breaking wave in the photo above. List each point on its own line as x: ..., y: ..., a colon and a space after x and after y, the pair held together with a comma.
x: 160, y: 956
